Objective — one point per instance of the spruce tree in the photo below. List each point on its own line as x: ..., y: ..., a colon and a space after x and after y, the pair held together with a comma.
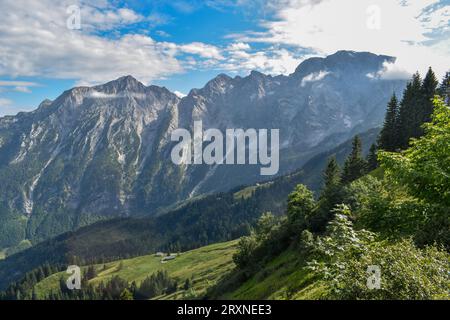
x: 388, y: 139
x: 444, y: 88
x: 355, y: 166
x: 187, y: 284
x: 404, y: 118
x: 372, y: 160
x: 91, y: 272
x: 330, y: 196
x: 429, y: 90
x: 411, y: 112
x: 331, y: 177
x: 126, y: 295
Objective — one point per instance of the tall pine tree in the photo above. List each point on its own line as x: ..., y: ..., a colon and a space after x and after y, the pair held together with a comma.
x: 444, y: 88
x: 411, y: 112
x: 355, y: 166
x: 330, y: 196
x: 429, y: 90
x: 372, y: 160
x: 388, y: 139
x: 332, y: 179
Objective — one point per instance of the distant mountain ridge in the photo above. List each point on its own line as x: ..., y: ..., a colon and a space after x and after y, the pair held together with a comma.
x: 190, y: 224
x: 104, y: 151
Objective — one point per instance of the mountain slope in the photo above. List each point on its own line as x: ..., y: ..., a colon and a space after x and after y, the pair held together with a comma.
x: 191, y: 224
x: 74, y: 161
x: 203, y: 267
x: 101, y: 152
x: 285, y: 277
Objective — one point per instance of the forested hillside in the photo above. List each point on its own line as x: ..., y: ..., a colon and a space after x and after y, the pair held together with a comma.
x: 388, y: 210
x: 197, y: 222
x: 103, y: 152
x: 394, y: 219
x: 186, y: 276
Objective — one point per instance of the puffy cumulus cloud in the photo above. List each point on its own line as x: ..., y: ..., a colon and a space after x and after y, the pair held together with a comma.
x: 415, y: 31
x: 35, y: 41
x: 238, y: 46
x: 109, y: 18
x: 201, y: 49
x: 390, y: 71
x: 272, y: 60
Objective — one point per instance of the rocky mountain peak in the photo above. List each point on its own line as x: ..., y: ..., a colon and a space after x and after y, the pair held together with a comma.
x: 257, y: 74
x: 343, y: 61
x: 218, y: 85
x: 122, y: 84
x: 45, y: 103
x: 104, y: 151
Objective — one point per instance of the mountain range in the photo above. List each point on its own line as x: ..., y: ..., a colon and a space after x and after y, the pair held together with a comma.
x: 191, y: 224
x: 100, y: 152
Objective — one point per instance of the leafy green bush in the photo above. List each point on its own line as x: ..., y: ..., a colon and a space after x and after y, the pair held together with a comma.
x: 406, y: 273
x: 343, y: 256
x: 300, y: 207
x: 424, y: 171
x: 254, y: 245
x: 246, y: 246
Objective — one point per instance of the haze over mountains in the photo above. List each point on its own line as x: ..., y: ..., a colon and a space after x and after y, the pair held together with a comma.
x: 104, y: 151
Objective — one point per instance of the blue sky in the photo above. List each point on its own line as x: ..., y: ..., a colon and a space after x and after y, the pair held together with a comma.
x: 49, y: 46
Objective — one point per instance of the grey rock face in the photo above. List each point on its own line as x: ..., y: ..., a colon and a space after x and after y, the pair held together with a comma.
x: 104, y: 151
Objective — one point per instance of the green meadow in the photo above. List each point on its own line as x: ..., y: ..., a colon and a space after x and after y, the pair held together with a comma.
x: 204, y: 267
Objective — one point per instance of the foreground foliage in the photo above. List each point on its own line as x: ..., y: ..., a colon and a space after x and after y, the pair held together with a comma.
x: 344, y: 255
x: 397, y: 223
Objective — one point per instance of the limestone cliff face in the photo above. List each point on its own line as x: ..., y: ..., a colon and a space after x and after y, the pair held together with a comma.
x: 104, y: 151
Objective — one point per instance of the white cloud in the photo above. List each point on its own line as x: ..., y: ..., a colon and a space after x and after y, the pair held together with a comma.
x: 7, y: 107
x: 202, y: 50
x: 19, y: 86
x: 180, y: 94
x: 415, y: 31
x: 35, y: 41
x: 273, y: 61
x: 390, y: 71
x: 107, y: 19
x: 22, y: 89
x: 438, y: 18
x: 7, y: 83
x: 313, y: 77
x: 5, y: 102
x: 238, y: 46
x: 103, y: 95
x: 162, y: 33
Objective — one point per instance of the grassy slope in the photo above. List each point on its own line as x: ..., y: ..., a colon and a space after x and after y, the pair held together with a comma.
x: 186, y: 225
x: 284, y: 277
x: 205, y: 266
